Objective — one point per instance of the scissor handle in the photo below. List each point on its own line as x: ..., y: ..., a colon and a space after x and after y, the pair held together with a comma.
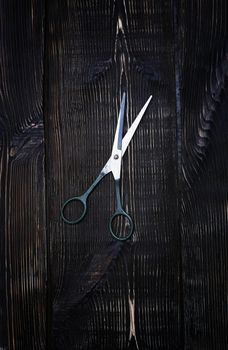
x: 120, y: 212
x: 130, y: 229
x: 82, y: 199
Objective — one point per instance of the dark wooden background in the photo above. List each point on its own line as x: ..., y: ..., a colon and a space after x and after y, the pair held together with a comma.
x: 64, y: 66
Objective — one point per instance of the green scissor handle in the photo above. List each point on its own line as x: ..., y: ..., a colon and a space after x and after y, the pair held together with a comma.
x: 120, y: 212
x: 82, y: 199
x: 118, y: 236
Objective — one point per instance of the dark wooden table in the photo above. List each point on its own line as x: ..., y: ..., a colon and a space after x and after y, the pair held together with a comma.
x: 64, y: 65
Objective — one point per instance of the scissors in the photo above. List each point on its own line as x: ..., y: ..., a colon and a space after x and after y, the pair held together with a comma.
x: 113, y: 165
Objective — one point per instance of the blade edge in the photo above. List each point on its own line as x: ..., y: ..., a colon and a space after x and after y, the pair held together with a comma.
x: 130, y: 133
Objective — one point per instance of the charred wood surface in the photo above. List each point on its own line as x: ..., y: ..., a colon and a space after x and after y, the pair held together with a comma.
x: 23, y: 257
x: 64, y: 67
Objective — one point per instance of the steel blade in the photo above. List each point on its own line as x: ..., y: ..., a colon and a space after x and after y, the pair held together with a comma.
x: 117, y: 144
x: 130, y: 133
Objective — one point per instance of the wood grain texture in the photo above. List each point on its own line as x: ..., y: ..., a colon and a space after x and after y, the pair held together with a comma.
x: 205, y: 172
x: 108, y: 295
x: 74, y: 287
x: 23, y: 242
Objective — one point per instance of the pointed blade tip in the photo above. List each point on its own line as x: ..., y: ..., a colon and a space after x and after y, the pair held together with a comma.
x: 148, y: 101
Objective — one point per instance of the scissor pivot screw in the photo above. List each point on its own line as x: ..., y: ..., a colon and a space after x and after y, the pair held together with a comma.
x: 116, y: 156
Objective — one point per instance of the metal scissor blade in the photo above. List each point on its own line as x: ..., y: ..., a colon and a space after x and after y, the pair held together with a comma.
x: 112, y: 163
x: 130, y: 133
x: 117, y: 144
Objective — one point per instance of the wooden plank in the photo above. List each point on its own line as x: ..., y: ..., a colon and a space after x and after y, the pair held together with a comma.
x: 22, y: 240
x: 204, y: 103
x: 107, y: 294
